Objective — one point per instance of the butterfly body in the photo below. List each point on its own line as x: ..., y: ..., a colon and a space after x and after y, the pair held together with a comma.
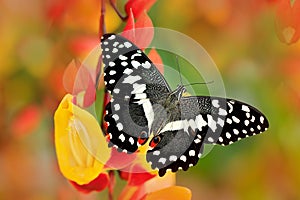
x: 143, y: 105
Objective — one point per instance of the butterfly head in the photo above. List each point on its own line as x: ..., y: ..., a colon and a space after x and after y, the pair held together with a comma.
x: 178, y: 92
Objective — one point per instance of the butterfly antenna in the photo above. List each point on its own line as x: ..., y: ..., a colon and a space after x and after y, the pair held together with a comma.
x: 209, y: 82
x: 180, y: 77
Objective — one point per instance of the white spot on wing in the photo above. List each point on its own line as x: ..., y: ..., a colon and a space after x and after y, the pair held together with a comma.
x: 148, y: 110
x: 124, y: 63
x: 131, y: 140
x: 117, y: 107
x: 162, y: 160
x: 115, y: 50
x: 112, y: 72
x: 127, y: 44
x: 173, y: 158
x: 235, y: 119
x: 222, y: 112
x: 200, y: 122
x: 210, y: 139
x: 183, y: 158
x: 229, y: 121
x: 134, y: 55
x: 131, y: 79
x: 128, y: 71
x: 146, y: 65
x: 138, y: 88
x: 261, y: 119
x: 192, y: 153
x: 112, y: 37
x: 116, y: 90
x: 245, y: 108
x: 119, y: 126
x: 116, y: 117
x: 220, y: 122
x: 121, y: 57
x: 140, y: 96
x: 197, y: 140
x: 192, y: 124
x: 115, y: 44
x: 122, y: 137
x: 211, y: 123
x: 171, y: 126
x: 228, y: 135
x: 220, y: 139
x: 135, y: 64
x: 215, y: 103
x: 252, y: 119
x: 246, y: 122
x: 258, y: 127
x: 235, y: 131
x: 230, y: 107
x: 248, y: 115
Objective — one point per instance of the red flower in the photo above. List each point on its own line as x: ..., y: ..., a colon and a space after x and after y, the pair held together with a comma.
x: 288, y: 21
x: 138, y: 7
x: 141, y: 31
x: 80, y: 81
x: 26, y: 121
x: 98, y: 184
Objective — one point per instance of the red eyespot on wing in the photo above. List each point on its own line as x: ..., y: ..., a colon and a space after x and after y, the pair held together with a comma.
x: 143, y: 138
x: 107, y: 137
x: 142, y: 141
x: 155, y: 141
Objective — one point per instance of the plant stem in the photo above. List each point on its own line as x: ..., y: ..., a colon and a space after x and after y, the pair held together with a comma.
x: 114, y: 6
x: 102, y: 26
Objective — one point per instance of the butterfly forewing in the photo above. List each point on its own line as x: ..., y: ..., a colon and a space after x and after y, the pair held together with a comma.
x: 227, y: 120
x: 135, y: 84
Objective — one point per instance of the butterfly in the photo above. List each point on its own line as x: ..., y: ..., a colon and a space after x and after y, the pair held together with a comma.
x: 143, y: 107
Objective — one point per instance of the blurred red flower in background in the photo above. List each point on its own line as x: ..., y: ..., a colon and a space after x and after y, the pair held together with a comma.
x: 288, y: 20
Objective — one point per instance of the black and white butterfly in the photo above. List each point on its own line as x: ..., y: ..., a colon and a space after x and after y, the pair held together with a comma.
x: 143, y: 105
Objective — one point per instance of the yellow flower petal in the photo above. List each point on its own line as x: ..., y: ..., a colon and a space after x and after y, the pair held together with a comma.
x: 81, y: 148
x: 174, y: 192
x: 158, y: 183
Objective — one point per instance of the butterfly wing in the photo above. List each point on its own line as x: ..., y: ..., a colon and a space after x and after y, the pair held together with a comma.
x: 203, y: 120
x: 135, y: 85
x: 177, y: 149
x: 227, y: 120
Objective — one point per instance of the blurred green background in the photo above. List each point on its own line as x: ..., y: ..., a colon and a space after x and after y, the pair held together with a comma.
x: 40, y: 38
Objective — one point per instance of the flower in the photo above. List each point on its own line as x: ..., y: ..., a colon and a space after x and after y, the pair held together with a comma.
x: 156, y: 188
x: 288, y: 21
x: 81, y: 148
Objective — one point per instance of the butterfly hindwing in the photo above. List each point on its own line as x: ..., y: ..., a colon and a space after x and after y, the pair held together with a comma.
x: 203, y: 120
x: 177, y: 149
x: 134, y: 84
